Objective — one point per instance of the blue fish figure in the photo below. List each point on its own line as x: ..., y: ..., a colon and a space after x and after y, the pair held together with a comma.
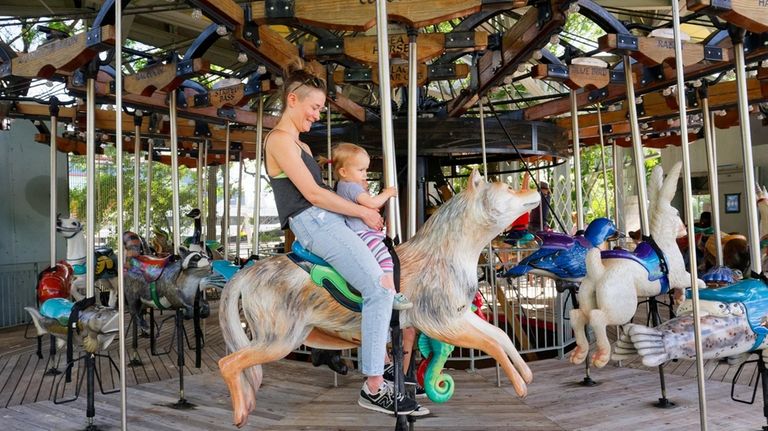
x: 561, y: 256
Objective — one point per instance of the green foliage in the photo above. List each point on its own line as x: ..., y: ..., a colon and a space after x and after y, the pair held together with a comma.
x: 106, y: 194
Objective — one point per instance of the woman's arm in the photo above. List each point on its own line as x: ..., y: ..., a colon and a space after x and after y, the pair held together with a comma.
x: 378, y: 201
x: 288, y: 157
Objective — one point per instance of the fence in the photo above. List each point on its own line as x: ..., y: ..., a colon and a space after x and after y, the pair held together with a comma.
x: 17, y: 290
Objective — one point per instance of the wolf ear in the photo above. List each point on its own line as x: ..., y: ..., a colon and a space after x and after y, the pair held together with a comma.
x: 475, y: 180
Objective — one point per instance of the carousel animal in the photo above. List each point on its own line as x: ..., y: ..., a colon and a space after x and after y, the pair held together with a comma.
x: 616, y: 278
x: 96, y: 325
x: 105, y: 270
x: 170, y: 282
x: 732, y: 321
x: 285, y: 308
x: 561, y: 256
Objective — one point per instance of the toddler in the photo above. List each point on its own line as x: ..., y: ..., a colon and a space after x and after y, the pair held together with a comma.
x: 350, y: 165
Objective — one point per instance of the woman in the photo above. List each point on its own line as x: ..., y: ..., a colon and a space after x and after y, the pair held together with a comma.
x: 315, y: 215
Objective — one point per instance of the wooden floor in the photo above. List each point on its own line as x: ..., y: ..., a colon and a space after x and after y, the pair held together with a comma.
x: 297, y: 396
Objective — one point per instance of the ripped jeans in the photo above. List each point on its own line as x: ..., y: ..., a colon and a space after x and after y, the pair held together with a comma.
x: 325, y: 234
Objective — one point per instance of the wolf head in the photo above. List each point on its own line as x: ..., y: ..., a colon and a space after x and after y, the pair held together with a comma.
x: 479, y: 212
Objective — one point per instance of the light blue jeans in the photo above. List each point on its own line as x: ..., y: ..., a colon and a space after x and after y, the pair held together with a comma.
x: 325, y: 234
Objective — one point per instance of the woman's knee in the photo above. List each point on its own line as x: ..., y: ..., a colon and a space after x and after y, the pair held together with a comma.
x: 387, y: 281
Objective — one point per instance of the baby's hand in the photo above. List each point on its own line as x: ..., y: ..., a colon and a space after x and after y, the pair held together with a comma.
x: 390, y: 191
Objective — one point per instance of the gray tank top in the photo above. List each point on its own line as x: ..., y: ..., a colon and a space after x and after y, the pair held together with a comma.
x: 288, y: 199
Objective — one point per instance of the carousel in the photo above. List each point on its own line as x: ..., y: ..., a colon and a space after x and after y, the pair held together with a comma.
x: 569, y: 195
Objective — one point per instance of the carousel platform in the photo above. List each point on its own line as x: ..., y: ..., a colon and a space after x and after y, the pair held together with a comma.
x: 296, y: 396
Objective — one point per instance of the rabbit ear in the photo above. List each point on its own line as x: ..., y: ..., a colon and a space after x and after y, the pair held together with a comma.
x: 669, y: 187
x: 654, y: 184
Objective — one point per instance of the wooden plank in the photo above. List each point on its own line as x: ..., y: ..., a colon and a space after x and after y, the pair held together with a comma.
x: 399, y: 74
x: 577, y: 75
x: 163, y: 76
x: 563, y: 105
x: 360, y: 15
x: 652, y: 51
x: 518, y: 43
x: 749, y: 14
x: 222, y: 11
x: 364, y: 49
x: 62, y: 56
x: 230, y: 96
x: 721, y: 96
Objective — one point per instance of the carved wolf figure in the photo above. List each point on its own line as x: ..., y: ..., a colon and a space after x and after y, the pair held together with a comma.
x: 438, y: 273
x: 608, y: 294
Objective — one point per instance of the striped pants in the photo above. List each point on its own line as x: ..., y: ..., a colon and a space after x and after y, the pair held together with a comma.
x: 374, y: 239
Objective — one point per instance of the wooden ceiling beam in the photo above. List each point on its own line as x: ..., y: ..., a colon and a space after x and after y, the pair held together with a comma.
x: 398, y: 74
x: 360, y: 15
x: 748, y: 14
x: 696, y: 71
x: 517, y: 45
x: 363, y: 49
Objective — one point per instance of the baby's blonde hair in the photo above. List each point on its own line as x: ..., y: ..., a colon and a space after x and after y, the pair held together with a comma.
x: 342, y: 153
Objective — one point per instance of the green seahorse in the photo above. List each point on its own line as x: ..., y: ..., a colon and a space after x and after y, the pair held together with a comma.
x: 439, y: 386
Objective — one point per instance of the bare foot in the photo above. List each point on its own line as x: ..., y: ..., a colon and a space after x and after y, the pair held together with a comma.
x: 600, y: 358
x: 239, y: 406
x: 578, y: 355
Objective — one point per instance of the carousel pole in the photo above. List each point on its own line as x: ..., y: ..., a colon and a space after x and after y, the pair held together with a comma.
x: 225, y: 224
x: 239, y: 203
x: 120, y: 193
x: 328, y: 143
x: 587, y: 380
x: 714, y: 193
x: 148, y: 208
x: 602, y: 159
x: 413, y: 99
x: 577, y: 161
x: 390, y: 180
x: 687, y: 193
x: 174, y: 174
x: 54, y: 110
x: 746, y: 144
x: 200, y: 166
x: 491, y: 272
x: 90, y: 178
x: 201, y: 199
x: 618, y: 183
x: 257, y: 178
x: 642, y: 200
x: 137, y: 117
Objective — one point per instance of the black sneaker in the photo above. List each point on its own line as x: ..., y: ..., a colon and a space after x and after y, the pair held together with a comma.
x: 384, y: 400
x: 389, y: 375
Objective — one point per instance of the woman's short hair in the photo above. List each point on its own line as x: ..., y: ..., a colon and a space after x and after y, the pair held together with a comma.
x: 342, y: 153
x: 300, y: 81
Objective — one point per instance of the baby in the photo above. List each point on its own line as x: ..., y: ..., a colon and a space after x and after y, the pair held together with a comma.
x: 350, y: 165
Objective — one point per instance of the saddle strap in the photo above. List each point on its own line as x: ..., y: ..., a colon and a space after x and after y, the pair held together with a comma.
x: 155, y: 297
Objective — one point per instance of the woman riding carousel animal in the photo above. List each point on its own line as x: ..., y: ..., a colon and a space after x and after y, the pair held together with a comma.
x: 315, y: 214
x: 286, y: 307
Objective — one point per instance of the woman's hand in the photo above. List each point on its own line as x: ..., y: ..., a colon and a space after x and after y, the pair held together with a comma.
x: 372, y: 218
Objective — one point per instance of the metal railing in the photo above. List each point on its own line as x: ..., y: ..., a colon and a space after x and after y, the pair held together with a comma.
x: 17, y: 290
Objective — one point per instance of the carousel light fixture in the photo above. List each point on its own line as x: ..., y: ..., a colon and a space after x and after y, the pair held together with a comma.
x: 242, y: 57
x: 261, y: 70
x: 221, y: 30
x: 197, y: 13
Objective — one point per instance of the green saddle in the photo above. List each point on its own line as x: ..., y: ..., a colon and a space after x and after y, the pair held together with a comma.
x: 323, y: 275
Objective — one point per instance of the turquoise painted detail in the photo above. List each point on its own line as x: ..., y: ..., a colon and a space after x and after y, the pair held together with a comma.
x: 753, y: 293
x: 57, y: 308
x: 79, y: 269
x: 439, y: 386
x: 307, y: 255
x: 227, y: 269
